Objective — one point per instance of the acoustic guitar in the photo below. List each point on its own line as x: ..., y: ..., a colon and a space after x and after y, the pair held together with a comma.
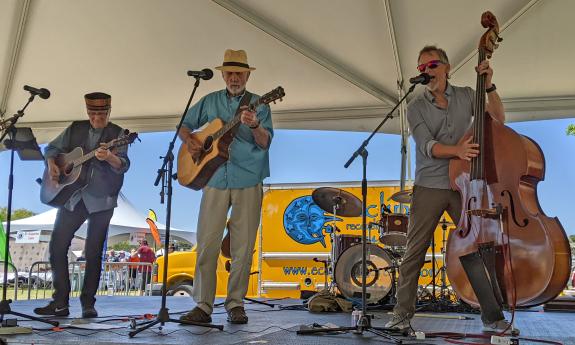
x: 216, y: 138
x: 56, y: 193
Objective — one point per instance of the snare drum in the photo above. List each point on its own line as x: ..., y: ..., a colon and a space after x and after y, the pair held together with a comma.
x: 345, y: 241
x: 393, y: 229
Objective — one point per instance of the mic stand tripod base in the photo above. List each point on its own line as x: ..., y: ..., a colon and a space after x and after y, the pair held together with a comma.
x: 363, y: 324
x: 163, y: 317
x: 255, y: 301
x: 5, y: 310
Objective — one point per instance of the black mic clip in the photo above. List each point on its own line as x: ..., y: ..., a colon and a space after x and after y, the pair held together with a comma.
x: 43, y: 93
x: 422, y: 79
x: 205, y: 74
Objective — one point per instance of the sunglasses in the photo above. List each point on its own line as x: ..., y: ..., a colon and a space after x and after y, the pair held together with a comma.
x: 431, y: 65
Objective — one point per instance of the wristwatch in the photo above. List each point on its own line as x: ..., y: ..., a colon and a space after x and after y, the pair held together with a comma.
x: 491, y: 89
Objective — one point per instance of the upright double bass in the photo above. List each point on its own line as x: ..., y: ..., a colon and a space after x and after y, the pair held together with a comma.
x: 498, y: 191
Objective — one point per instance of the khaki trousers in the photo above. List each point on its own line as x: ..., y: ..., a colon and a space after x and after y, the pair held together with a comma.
x: 244, y: 221
x: 427, y: 206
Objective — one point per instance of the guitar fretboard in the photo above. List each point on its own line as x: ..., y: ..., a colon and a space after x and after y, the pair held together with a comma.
x: 235, y: 121
x: 110, y: 145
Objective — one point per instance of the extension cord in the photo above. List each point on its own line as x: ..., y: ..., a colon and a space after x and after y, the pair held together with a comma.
x: 497, y: 340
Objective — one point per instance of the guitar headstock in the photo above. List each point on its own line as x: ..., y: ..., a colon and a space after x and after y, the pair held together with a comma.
x: 125, y: 139
x: 490, y: 38
x: 273, y: 96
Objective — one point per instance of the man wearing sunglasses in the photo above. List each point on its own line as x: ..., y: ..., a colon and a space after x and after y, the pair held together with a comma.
x: 438, y: 119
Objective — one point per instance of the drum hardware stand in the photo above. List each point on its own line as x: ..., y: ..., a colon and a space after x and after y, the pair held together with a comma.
x: 166, y: 174
x: 443, y: 268
x: 334, y: 247
x: 325, y: 271
x: 393, y: 270
x: 441, y: 302
x: 27, y: 150
x: 364, y: 321
x: 329, y: 263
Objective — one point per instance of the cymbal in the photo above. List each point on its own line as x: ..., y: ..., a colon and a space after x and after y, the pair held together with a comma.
x: 346, y: 204
x: 403, y: 197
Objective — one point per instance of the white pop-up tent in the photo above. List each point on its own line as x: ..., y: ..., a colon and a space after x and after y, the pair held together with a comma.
x: 126, y: 220
x: 340, y: 61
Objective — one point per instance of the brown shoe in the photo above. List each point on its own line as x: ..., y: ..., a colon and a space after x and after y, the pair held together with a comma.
x: 237, y: 315
x: 196, y: 315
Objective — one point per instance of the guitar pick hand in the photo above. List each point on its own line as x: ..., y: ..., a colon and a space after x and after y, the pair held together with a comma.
x: 102, y: 153
x: 249, y: 118
x: 194, y: 146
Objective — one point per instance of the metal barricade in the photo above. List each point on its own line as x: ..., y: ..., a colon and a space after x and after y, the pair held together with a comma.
x: 40, y: 280
x: 16, y: 278
x: 116, y: 278
x: 126, y: 279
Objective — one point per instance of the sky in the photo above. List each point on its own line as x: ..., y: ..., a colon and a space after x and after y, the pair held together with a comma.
x: 298, y: 156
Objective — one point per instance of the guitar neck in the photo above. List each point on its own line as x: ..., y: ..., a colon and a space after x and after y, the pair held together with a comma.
x: 85, y: 158
x: 235, y: 121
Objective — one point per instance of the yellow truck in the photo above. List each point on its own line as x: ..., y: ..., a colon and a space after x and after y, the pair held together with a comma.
x: 294, y: 237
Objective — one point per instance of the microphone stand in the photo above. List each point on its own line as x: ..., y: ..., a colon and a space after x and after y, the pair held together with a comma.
x: 5, y: 303
x: 364, y: 322
x: 166, y: 176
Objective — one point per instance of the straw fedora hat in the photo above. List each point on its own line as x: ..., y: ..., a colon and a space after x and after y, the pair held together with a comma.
x: 235, y: 61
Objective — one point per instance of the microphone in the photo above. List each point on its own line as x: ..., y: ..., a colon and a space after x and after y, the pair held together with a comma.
x: 205, y: 74
x: 43, y: 93
x: 422, y: 79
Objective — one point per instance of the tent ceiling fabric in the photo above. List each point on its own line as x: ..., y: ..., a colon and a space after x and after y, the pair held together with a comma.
x: 335, y: 58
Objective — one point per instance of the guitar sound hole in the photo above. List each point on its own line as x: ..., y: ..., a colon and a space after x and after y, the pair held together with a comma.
x: 208, y: 143
x: 68, y: 169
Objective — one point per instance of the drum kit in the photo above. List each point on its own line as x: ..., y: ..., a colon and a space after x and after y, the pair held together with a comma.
x: 344, y: 264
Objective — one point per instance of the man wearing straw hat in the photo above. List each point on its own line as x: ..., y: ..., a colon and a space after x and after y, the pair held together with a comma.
x: 94, y: 202
x: 237, y: 184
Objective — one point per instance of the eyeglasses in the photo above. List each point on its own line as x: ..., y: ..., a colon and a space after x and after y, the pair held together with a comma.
x: 431, y: 65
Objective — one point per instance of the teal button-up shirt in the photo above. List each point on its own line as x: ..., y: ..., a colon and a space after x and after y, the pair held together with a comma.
x: 248, y: 164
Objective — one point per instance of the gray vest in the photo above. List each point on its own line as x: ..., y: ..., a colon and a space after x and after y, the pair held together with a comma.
x: 98, y: 176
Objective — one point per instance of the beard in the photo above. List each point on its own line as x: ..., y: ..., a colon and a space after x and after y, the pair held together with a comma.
x: 236, y: 89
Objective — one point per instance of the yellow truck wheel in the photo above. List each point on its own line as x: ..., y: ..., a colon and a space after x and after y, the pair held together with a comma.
x: 181, y: 290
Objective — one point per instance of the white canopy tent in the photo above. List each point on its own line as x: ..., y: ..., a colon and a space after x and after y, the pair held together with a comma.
x: 340, y: 61
x: 126, y: 220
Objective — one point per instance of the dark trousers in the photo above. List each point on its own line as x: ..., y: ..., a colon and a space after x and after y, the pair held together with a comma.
x: 66, y: 225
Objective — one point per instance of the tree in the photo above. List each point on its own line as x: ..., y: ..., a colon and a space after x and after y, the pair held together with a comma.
x: 125, y: 246
x: 571, y: 130
x: 16, y: 214
x: 572, y: 238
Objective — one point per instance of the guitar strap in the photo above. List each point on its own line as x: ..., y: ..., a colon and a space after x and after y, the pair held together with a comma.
x: 243, y: 102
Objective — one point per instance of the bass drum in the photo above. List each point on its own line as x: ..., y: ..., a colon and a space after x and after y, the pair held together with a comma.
x: 378, y: 279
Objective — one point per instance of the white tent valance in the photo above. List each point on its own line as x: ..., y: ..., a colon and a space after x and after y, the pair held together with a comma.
x: 126, y: 220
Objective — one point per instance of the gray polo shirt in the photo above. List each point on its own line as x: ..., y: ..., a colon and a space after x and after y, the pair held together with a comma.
x: 430, y: 124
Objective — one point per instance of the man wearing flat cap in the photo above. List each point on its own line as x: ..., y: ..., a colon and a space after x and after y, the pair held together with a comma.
x: 237, y: 184
x: 94, y: 201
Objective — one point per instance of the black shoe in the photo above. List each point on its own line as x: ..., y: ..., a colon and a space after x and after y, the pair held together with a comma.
x: 53, y: 309
x: 89, y: 312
